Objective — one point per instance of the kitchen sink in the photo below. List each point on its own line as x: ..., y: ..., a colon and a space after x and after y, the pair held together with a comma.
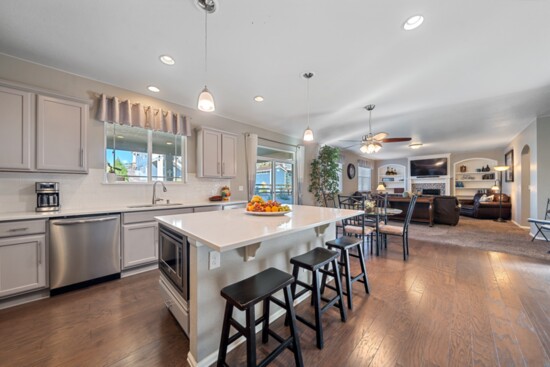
x: 154, y: 205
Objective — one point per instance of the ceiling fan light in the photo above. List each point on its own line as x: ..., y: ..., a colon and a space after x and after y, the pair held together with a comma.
x: 364, y: 148
x: 206, y: 101
x: 415, y: 145
x: 377, y: 147
x: 308, y: 134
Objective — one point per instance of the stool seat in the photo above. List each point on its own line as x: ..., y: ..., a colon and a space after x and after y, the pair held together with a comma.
x: 314, y: 259
x: 344, y: 243
x: 244, y: 295
x: 256, y: 288
x: 318, y: 261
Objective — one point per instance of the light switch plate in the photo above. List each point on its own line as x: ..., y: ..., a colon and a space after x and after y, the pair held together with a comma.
x: 214, y: 260
x: 241, y: 188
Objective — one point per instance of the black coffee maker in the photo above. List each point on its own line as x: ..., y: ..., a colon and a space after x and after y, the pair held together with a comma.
x: 47, y: 196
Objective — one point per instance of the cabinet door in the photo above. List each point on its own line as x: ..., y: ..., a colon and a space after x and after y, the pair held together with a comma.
x: 229, y: 155
x: 140, y: 244
x: 211, y: 153
x: 61, y: 135
x: 22, y: 264
x: 15, y: 129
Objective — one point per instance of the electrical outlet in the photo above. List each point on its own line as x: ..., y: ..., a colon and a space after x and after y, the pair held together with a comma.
x: 214, y: 260
x: 241, y: 188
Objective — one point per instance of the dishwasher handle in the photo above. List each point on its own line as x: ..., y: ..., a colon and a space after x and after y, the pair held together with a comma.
x: 81, y: 221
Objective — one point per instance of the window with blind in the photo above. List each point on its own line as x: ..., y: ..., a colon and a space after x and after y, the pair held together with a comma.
x: 364, y: 179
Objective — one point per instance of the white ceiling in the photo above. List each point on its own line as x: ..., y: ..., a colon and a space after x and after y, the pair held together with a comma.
x: 471, y: 77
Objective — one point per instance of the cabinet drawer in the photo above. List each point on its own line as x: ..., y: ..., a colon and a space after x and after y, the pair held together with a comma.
x: 149, y: 215
x: 20, y: 228
x: 177, y: 307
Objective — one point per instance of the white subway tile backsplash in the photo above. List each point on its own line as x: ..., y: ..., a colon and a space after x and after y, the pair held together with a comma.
x: 89, y: 192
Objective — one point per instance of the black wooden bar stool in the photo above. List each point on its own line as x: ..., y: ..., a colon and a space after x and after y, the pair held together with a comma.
x: 317, y: 261
x: 345, y: 244
x: 245, y: 295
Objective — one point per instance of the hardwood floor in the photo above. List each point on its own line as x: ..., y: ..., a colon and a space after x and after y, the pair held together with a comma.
x: 446, y: 306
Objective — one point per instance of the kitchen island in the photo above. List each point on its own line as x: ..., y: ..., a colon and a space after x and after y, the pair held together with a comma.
x: 246, y: 244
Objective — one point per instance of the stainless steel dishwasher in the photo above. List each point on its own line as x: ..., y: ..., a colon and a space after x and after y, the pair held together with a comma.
x: 83, y: 251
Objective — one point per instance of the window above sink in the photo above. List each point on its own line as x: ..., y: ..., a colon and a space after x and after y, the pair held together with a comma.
x: 141, y: 155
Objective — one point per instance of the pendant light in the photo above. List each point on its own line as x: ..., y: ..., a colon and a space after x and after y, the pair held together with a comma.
x: 308, y: 133
x: 206, y: 100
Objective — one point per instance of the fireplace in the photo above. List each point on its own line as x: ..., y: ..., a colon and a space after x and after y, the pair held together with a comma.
x: 431, y: 191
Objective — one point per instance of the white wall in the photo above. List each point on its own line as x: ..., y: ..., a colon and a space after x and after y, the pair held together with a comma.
x: 17, y: 191
x: 527, y: 137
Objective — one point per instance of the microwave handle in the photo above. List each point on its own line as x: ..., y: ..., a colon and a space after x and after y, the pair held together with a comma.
x: 180, y: 255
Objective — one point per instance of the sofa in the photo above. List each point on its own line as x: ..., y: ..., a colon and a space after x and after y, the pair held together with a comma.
x: 487, y: 210
x: 428, y: 209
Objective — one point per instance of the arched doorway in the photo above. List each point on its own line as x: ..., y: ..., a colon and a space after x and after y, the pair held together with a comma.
x: 525, y: 185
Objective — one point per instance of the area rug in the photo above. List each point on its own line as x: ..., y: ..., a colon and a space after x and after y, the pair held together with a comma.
x: 483, y: 234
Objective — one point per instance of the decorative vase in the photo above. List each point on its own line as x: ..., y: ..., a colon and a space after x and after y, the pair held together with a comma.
x: 463, y: 168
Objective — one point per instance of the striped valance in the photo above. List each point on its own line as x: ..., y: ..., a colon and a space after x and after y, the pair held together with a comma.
x: 114, y: 111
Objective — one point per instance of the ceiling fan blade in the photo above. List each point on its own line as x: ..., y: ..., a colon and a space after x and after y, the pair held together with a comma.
x: 396, y: 140
x: 353, y: 145
x: 380, y: 136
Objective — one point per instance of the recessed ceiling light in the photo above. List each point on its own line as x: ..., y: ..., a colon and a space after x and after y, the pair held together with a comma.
x: 413, y: 22
x: 415, y: 145
x: 120, y: 136
x: 259, y: 99
x: 166, y: 59
x: 169, y: 143
x: 152, y: 88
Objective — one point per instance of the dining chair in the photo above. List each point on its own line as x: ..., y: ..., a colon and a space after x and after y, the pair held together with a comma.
x: 355, y: 226
x: 402, y: 231
x: 542, y: 225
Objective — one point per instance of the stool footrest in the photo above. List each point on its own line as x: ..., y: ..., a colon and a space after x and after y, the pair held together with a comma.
x: 331, y: 302
x: 241, y: 329
x: 301, y: 293
x: 271, y: 356
x: 306, y: 322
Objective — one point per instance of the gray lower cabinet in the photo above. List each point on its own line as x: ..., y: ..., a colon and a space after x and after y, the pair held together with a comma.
x: 140, y: 236
x: 140, y: 244
x: 23, y: 262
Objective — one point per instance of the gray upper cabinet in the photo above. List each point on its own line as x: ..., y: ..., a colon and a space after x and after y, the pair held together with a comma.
x: 41, y: 131
x: 61, y: 135
x: 15, y: 129
x: 216, y: 154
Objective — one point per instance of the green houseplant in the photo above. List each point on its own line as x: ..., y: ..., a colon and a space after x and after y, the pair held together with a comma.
x: 324, y: 174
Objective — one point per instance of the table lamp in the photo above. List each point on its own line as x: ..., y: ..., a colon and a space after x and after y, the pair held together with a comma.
x: 500, y: 169
x: 381, y: 188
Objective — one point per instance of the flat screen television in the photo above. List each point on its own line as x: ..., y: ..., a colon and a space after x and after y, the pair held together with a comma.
x: 429, y: 167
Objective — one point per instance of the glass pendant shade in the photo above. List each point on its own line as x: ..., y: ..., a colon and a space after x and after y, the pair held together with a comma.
x: 308, y: 134
x: 206, y: 101
x: 371, y: 147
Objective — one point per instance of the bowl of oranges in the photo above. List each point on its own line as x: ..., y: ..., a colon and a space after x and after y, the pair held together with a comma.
x: 258, y: 206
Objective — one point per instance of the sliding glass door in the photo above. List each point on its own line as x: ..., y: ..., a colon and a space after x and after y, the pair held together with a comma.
x: 275, y: 180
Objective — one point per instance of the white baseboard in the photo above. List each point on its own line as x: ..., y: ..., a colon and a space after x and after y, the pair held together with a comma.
x: 24, y: 298
x: 520, y: 226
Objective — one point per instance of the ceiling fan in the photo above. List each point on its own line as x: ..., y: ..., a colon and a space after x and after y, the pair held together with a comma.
x: 372, y: 143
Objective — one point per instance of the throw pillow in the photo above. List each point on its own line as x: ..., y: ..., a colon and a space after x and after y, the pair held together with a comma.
x: 483, y: 198
x: 490, y: 198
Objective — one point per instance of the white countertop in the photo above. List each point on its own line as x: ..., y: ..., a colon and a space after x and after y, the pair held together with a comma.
x: 231, y: 229
x: 114, y: 209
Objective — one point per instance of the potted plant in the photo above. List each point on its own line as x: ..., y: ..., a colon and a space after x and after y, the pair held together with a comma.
x: 324, y: 175
x: 111, y: 173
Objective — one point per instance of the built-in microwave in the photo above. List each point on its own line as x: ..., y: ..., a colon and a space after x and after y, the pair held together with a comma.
x: 174, y: 259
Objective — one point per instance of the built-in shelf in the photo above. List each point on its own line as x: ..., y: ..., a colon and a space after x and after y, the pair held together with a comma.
x: 393, y: 181
x: 470, y: 181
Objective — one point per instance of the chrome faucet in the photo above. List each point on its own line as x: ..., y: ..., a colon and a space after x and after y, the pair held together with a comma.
x: 155, y: 191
